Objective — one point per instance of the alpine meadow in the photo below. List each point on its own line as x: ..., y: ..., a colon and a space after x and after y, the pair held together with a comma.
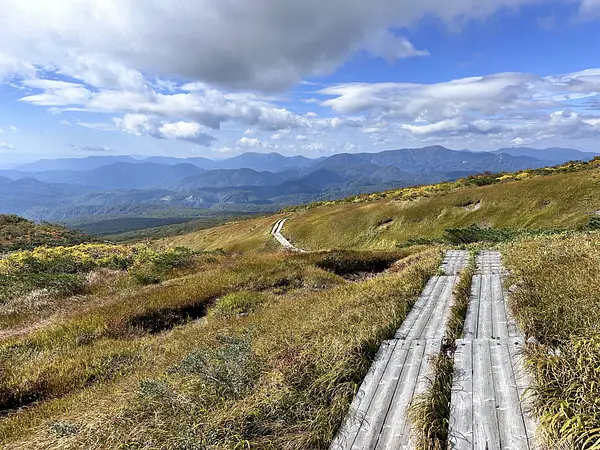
x: 299, y: 225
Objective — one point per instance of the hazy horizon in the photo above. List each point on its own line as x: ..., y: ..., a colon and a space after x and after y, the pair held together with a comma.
x: 35, y: 158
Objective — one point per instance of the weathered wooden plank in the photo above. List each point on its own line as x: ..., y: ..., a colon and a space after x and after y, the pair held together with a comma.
x: 500, y: 321
x: 393, y: 428
x: 442, y: 330
x: 489, y: 262
x: 363, y: 398
x: 523, y: 381
x: 414, y: 313
x: 513, y: 435
x: 436, y: 326
x: 274, y: 229
x: 472, y: 317
x: 513, y: 329
x: 484, y: 327
x: 422, y: 319
x: 370, y: 430
x: 485, y: 420
x: 454, y: 262
x: 482, y: 260
x: 432, y: 349
x: 461, y: 410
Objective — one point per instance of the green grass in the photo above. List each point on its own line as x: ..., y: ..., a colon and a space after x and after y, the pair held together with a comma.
x: 281, y: 375
x: 555, y: 298
x: 483, y: 179
x: 430, y: 411
x: 562, y: 201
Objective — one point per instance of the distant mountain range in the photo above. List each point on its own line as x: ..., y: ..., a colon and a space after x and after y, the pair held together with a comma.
x: 69, y: 187
x: 555, y: 154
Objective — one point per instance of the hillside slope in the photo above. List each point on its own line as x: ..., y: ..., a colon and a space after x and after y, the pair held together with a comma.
x: 533, y: 199
x: 17, y: 233
x: 109, y: 346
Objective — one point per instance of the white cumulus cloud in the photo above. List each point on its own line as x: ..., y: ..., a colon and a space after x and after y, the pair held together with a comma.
x: 249, y: 142
x: 140, y: 124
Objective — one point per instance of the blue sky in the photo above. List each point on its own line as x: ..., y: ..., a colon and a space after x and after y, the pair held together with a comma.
x: 213, y: 78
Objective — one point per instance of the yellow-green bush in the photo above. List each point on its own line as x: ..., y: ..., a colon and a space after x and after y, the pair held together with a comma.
x: 25, y: 271
x: 79, y: 258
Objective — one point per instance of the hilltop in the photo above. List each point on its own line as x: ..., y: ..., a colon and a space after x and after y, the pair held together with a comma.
x: 17, y: 233
x: 560, y: 197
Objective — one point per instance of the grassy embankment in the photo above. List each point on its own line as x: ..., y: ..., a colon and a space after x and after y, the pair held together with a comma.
x: 245, y: 235
x: 560, y: 198
x: 556, y: 299
x: 280, y: 348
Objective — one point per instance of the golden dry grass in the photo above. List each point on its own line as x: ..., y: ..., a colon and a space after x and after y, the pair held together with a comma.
x: 555, y: 298
x: 245, y: 235
x: 287, y: 367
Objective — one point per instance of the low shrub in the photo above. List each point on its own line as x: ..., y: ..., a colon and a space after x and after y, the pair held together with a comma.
x: 17, y: 233
x: 593, y: 223
x: 61, y: 269
x: 477, y: 233
x: 230, y: 370
x: 236, y: 303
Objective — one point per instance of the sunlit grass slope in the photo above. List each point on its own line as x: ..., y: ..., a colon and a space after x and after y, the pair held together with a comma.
x: 245, y: 235
x: 558, y: 201
x: 273, y: 364
x: 555, y: 298
x: 554, y: 198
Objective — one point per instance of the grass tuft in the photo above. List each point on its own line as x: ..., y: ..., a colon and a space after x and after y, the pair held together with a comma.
x: 555, y: 298
x: 430, y: 411
x: 462, y: 297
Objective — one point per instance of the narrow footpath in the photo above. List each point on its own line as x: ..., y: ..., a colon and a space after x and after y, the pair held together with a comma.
x: 489, y: 403
x: 276, y: 232
x: 377, y: 417
x: 488, y: 410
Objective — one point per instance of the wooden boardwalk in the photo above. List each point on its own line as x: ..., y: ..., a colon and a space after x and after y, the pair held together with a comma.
x: 377, y: 417
x: 276, y: 232
x: 489, y: 408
